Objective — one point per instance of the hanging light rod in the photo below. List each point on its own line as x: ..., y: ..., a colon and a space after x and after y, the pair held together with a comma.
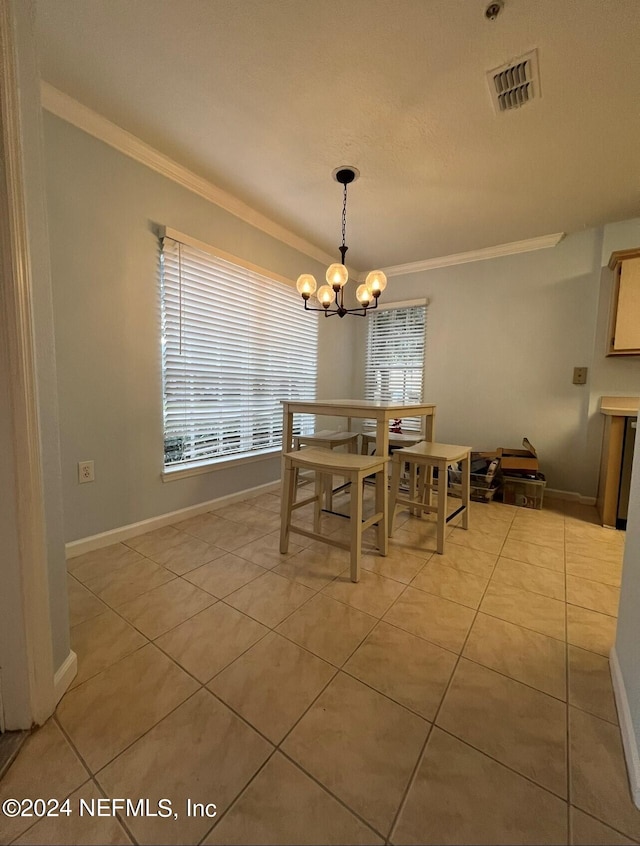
x: 331, y: 296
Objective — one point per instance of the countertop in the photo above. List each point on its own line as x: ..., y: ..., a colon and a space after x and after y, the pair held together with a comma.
x: 620, y: 406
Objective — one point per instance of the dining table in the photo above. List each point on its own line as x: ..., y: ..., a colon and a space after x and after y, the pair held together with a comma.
x: 380, y: 412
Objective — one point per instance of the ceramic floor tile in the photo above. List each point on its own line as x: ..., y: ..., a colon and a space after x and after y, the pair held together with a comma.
x: 450, y: 583
x: 585, y: 567
x: 599, y: 782
x: 329, y: 629
x: 530, y: 577
x: 165, y: 607
x: 397, y: 564
x: 412, y: 671
x: 521, y: 727
x: 78, y: 828
x: 590, y: 687
x: 101, y: 562
x: 590, y: 630
x: 610, y: 552
x: 248, y: 514
x: 210, y: 640
x: 219, y: 532
x: 593, y: 595
x: 532, y: 553
x: 83, y: 605
x: 268, y: 501
x: 263, y: 814
x: 468, y: 560
x: 461, y: 796
x: 272, y: 684
x: 270, y: 598
x: 129, y: 581
x: 265, y: 552
x: 438, y: 620
x: 580, y: 530
x: 186, y: 553
x: 547, y: 537
x: 489, y: 541
x: 586, y: 831
x: 111, y: 710
x: 224, y: 575
x: 361, y: 746
x: 100, y: 642
x: 312, y: 567
x: 531, y: 610
x: 46, y: 767
x: 372, y: 594
x: 223, y: 753
x: 522, y: 654
x: 152, y: 543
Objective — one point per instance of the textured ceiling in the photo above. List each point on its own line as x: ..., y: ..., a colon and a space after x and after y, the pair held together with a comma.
x: 266, y: 97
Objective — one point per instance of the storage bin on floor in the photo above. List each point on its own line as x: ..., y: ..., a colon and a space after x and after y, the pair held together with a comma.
x: 527, y: 493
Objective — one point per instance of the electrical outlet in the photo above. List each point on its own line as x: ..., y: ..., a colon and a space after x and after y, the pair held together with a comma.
x: 85, y: 472
x: 580, y: 375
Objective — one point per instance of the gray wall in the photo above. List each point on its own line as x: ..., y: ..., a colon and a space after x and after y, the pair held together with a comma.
x: 102, y: 208
x: 503, y: 337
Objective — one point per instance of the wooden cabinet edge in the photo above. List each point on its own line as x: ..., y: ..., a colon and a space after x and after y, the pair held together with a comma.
x: 615, y: 264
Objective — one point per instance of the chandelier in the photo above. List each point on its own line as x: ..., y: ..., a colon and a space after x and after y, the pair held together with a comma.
x: 331, y: 295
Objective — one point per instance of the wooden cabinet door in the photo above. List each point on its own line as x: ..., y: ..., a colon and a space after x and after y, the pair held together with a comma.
x: 624, y: 326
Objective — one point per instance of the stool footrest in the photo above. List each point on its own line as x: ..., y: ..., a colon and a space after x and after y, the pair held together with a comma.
x: 456, y: 512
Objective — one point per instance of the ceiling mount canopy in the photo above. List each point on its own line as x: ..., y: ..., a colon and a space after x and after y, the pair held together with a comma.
x: 331, y: 295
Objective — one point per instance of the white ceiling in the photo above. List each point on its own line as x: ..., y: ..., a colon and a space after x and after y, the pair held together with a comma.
x: 266, y: 97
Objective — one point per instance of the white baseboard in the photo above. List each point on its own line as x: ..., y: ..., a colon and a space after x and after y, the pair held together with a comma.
x: 64, y: 675
x: 629, y: 740
x: 79, y: 547
x: 569, y: 496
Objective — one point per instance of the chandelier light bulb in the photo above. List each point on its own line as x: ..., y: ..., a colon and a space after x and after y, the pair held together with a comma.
x: 376, y: 282
x: 363, y: 295
x: 326, y: 295
x: 337, y: 275
x: 306, y: 285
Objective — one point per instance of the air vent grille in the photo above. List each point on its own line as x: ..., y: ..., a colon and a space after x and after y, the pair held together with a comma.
x: 514, y: 84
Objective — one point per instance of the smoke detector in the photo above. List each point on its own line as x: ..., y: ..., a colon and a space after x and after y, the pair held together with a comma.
x: 514, y: 84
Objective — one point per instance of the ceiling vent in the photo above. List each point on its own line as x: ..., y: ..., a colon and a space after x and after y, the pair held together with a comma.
x: 514, y: 84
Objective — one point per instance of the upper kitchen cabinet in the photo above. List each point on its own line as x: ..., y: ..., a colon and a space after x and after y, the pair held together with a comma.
x: 624, y: 327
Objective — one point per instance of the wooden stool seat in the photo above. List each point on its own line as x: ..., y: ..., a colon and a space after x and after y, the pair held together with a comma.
x: 327, y: 438
x: 422, y: 458
x: 355, y: 468
x: 396, y: 440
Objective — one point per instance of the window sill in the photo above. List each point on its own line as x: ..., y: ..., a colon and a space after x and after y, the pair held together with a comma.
x: 197, y: 468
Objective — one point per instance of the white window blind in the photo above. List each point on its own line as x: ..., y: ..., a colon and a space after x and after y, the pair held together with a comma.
x: 395, y: 357
x: 234, y: 343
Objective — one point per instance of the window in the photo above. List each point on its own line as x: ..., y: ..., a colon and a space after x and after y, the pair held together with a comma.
x: 395, y: 356
x: 234, y: 343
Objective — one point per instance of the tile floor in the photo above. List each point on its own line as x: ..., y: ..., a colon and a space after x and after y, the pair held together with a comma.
x: 462, y: 698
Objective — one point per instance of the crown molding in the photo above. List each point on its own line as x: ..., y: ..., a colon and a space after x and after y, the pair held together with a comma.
x: 63, y: 106
x: 514, y: 247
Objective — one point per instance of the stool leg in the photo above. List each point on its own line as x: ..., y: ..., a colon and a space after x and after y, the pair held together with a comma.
x: 465, y: 491
x: 383, y: 523
x: 329, y: 493
x: 356, y: 525
x: 393, y: 496
x: 442, y: 505
x: 317, y: 505
x: 288, y: 494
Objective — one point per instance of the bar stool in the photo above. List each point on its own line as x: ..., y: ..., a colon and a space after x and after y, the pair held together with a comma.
x: 424, y: 457
x: 328, y: 439
x: 327, y: 463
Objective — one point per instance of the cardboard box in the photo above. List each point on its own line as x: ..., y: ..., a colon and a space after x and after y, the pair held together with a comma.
x: 519, y: 461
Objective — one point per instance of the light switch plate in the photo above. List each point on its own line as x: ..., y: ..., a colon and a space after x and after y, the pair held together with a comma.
x: 580, y: 375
